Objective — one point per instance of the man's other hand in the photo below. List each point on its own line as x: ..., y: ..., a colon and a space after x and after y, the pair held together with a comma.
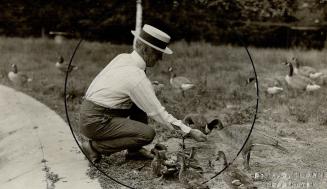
x: 197, y: 135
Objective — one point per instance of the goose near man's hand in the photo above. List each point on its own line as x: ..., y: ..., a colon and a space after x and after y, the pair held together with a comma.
x: 179, y: 82
x: 298, y: 81
x: 18, y: 78
x: 62, y: 66
x: 198, y: 121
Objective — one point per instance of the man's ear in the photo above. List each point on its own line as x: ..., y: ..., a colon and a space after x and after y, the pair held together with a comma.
x: 147, y: 50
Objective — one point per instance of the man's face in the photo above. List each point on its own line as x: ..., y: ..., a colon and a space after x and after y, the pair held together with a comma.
x: 153, y: 57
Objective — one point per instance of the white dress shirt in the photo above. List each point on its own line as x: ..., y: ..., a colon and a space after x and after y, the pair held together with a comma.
x: 122, y: 82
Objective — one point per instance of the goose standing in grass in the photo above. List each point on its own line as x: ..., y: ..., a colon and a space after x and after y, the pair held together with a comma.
x: 298, y: 81
x: 235, y: 135
x: 190, y: 178
x: 234, y: 177
x: 271, y: 86
x: 18, y: 78
x: 306, y: 71
x: 157, y: 163
x: 179, y: 82
x: 161, y: 165
x: 62, y: 66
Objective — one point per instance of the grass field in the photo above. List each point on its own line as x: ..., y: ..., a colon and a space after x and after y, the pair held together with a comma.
x: 299, y: 119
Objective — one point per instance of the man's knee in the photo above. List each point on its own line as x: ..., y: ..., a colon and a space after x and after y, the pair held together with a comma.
x: 149, y: 134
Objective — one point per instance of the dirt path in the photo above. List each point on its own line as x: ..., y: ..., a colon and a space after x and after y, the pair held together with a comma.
x: 37, y: 150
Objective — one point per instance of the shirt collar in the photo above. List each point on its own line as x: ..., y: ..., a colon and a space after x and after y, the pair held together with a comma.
x: 138, y: 60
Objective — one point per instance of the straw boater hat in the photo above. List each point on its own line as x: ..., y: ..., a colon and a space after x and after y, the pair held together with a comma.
x: 154, y: 37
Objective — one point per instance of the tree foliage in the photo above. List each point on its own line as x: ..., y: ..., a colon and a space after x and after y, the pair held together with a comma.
x: 217, y: 21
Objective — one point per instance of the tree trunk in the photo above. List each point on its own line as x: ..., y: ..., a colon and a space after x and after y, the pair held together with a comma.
x: 138, y: 22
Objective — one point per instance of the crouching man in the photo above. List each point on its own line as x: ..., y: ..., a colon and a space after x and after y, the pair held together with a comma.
x: 116, y: 106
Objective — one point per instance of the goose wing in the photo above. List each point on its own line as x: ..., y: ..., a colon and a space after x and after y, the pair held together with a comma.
x: 310, y: 72
x: 181, y: 80
x: 270, y: 82
x: 298, y: 81
x: 274, y: 90
x: 307, y: 69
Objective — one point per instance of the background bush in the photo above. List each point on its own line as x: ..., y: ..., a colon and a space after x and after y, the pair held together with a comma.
x: 267, y: 23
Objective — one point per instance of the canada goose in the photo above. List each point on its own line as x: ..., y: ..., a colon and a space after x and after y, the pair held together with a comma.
x: 157, y: 163
x: 235, y: 135
x: 299, y: 82
x: 18, y: 78
x: 189, y: 177
x: 234, y: 177
x: 198, y: 121
x: 179, y: 82
x: 271, y: 86
x: 306, y: 71
x: 167, y: 166
x: 62, y: 66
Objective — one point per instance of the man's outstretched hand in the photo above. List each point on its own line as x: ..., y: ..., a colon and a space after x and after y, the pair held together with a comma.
x: 197, y: 135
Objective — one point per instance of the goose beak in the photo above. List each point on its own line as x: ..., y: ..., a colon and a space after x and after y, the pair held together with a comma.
x: 207, y: 130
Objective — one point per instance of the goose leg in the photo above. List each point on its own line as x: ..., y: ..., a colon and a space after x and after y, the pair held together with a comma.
x: 183, y: 93
x: 183, y: 143
x: 246, y: 158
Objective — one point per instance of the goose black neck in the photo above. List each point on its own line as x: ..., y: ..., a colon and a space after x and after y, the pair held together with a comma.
x: 192, y: 155
x: 15, y: 70
x: 291, y: 70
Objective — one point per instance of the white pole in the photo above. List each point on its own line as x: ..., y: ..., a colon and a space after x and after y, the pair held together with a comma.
x: 138, y: 23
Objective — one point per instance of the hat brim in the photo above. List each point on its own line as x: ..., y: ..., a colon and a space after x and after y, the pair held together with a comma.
x: 166, y: 50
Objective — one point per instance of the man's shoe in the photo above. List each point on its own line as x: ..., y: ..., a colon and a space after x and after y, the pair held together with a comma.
x: 142, y: 154
x: 90, y: 152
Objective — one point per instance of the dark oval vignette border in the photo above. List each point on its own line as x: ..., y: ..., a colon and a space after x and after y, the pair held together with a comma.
x: 117, y: 181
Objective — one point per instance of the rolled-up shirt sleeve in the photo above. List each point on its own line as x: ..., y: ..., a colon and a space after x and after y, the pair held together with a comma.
x: 143, y: 95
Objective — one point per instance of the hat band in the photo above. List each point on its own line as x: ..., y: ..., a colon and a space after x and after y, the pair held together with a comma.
x: 154, y: 41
